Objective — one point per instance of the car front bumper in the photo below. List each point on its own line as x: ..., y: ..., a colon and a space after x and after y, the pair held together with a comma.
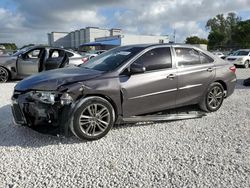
x: 236, y: 62
x: 32, y: 113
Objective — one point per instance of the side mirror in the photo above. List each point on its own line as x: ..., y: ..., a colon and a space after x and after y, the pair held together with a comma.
x: 21, y: 56
x: 136, y: 68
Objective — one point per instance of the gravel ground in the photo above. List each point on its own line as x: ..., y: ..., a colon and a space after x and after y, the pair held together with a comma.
x: 213, y: 151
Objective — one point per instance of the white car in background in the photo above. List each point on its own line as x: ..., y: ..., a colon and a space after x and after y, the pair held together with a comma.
x: 240, y: 58
x: 219, y: 54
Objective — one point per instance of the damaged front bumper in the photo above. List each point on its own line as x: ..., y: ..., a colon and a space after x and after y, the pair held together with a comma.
x: 30, y: 109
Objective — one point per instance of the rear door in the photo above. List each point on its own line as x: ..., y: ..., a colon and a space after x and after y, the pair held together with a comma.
x: 195, y: 72
x: 55, y: 59
x: 153, y: 90
x: 28, y: 63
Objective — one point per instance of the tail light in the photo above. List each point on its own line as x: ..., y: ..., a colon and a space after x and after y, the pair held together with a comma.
x: 233, y: 69
x: 84, y: 59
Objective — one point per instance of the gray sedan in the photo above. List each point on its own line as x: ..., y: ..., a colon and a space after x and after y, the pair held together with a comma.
x: 36, y: 59
x: 121, y: 85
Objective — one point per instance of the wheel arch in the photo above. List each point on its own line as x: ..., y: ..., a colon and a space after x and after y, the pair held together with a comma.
x: 224, y: 85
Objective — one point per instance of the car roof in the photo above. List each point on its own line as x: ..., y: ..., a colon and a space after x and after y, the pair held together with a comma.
x: 159, y: 44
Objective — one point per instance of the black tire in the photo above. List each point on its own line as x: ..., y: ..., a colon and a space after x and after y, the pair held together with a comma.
x: 88, y: 123
x: 246, y: 64
x: 209, y: 102
x: 4, y: 75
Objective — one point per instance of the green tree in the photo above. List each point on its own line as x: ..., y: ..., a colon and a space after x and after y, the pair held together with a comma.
x: 221, y: 30
x: 195, y: 40
x: 241, y: 34
x: 215, y: 40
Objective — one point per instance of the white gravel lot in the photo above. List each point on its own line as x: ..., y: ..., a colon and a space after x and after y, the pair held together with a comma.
x: 213, y: 151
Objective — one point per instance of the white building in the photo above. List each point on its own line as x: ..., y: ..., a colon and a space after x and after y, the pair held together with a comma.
x: 100, y: 38
x: 59, y: 39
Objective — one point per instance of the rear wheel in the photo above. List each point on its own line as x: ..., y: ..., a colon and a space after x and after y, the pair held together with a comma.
x: 93, y: 119
x: 246, y: 64
x: 4, y: 74
x: 213, y: 98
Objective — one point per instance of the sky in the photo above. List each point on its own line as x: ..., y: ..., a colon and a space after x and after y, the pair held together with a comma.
x: 29, y: 21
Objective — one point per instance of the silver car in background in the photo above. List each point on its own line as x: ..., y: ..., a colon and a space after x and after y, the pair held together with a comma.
x: 35, y: 59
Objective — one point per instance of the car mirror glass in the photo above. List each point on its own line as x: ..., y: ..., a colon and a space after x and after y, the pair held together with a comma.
x: 136, y: 68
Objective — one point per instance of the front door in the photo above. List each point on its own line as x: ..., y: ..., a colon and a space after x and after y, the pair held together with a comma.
x: 153, y: 90
x: 28, y: 63
x: 195, y: 72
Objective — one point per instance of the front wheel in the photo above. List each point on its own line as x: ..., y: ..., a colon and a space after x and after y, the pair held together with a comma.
x: 93, y: 119
x: 213, y: 98
x: 4, y: 75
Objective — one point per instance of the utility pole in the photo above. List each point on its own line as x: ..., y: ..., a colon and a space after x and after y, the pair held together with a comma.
x: 174, y: 36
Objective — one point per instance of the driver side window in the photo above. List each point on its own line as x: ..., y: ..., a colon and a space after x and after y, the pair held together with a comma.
x: 155, y: 59
x: 33, y: 54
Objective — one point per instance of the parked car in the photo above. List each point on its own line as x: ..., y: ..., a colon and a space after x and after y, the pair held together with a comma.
x: 240, y: 58
x: 91, y: 54
x: 219, y: 54
x: 124, y: 82
x: 35, y: 59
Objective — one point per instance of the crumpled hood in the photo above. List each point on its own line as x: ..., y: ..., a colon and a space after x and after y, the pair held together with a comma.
x: 51, y: 80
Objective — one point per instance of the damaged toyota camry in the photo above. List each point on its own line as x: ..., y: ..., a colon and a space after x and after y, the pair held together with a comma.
x: 125, y: 82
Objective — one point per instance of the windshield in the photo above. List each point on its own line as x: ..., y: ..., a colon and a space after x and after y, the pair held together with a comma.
x: 241, y: 53
x: 21, y: 51
x: 112, y: 59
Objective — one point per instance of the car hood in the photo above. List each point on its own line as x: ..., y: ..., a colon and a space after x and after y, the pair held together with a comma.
x: 51, y: 80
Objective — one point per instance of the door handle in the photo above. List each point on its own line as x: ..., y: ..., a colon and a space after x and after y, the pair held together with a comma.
x: 210, y: 69
x: 171, y: 76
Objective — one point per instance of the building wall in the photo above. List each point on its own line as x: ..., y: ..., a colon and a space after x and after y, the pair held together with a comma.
x: 77, y: 38
x: 143, y: 39
x: 202, y: 46
x: 72, y: 39
x: 93, y: 33
x: 82, y: 36
x: 58, y: 39
x: 50, y: 41
x: 90, y: 34
x: 115, y: 32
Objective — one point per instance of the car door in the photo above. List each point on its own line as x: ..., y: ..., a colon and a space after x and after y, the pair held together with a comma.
x: 153, y: 90
x: 28, y: 62
x: 55, y: 59
x: 195, y: 72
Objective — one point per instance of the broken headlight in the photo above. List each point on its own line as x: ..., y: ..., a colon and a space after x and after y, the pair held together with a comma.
x: 44, y: 96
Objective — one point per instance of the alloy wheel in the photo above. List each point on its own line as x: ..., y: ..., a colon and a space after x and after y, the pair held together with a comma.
x: 215, y: 97
x: 94, y: 119
x: 4, y: 75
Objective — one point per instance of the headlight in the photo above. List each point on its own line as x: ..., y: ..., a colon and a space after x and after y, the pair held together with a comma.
x: 240, y: 59
x: 44, y: 96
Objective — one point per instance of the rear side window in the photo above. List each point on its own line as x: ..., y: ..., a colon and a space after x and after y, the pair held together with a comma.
x: 205, y: 58
x: 191, y: 57
x: 187, y: 56
x: 54, y: 53
x: 155, y: 59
